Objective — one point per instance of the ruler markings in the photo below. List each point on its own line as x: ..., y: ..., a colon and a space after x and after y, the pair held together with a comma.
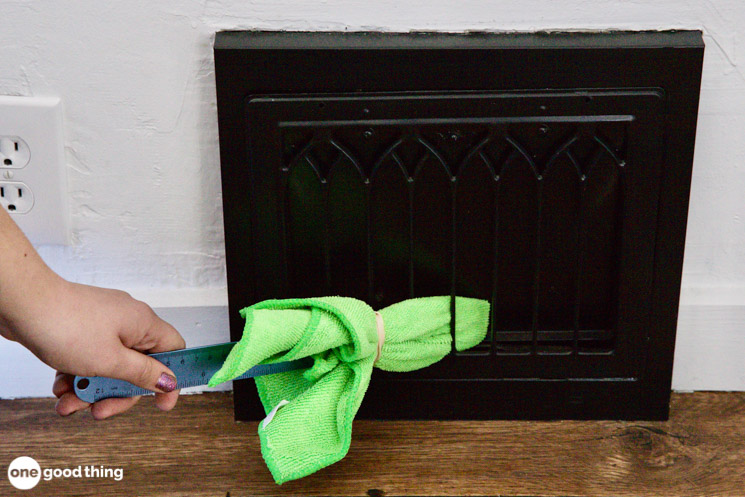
x: 193, y: 367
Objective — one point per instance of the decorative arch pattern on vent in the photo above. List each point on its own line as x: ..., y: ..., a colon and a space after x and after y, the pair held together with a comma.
x: 362, y: 210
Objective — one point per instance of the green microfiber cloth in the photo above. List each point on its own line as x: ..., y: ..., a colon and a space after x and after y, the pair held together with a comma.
x: 310, y: 413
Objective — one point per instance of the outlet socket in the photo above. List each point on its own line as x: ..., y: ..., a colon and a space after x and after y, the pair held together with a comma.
x: 14, y: 152
x: 15, y: 197
x: 32, y: 167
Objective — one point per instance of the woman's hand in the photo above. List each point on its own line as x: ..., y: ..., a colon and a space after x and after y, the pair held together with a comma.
x: 81, y: 330
x: 89, y: 331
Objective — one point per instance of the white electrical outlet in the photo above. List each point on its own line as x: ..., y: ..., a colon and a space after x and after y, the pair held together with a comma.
x: 17, y: 198
x: 33, y: 186
x: 14, y: 152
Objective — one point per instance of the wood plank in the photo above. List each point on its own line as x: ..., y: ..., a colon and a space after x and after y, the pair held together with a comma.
x: 198, y: 450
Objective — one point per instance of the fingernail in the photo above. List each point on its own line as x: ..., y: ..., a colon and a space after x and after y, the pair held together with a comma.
x: 166, y: 382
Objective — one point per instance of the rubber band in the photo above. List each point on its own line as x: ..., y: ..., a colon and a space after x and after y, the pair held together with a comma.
x: 381, y: 334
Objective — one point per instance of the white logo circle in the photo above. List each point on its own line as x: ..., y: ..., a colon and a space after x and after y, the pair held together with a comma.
x: 24, y: 473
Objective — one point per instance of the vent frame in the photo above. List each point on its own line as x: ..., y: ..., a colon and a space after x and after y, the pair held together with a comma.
x: 252, y: 67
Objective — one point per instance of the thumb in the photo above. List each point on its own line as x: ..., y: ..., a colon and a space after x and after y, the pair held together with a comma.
x: 145, y: 372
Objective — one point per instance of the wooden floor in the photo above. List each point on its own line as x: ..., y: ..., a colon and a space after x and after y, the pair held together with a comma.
x: 198, y: 450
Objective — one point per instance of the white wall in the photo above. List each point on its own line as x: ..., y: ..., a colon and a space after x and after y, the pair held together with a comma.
x: 137, y: 81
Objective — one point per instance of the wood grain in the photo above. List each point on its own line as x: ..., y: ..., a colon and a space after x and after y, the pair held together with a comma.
x: 198, y: 450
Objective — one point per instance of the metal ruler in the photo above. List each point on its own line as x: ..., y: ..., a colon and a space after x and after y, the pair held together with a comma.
x: 193, y: 367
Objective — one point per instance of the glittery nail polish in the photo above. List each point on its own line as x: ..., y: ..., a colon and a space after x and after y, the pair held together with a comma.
x: 166, y: 383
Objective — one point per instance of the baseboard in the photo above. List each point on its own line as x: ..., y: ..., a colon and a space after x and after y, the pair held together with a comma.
x: 709, y: 348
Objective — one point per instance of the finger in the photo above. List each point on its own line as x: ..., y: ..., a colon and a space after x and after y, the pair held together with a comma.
x: 110, y: 407
x: 63, y: 383
x: 166, y: 401
x: 69, y: 403
x: 167, y: 338
x: 144, y: 371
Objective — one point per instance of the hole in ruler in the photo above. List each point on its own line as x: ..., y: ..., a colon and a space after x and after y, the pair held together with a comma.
x: 83, y: 384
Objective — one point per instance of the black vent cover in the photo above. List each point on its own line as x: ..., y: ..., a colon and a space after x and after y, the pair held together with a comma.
x: 546, y: 173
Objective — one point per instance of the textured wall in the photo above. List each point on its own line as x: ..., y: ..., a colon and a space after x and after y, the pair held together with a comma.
x: 137, y: 81
x: 141, y: 134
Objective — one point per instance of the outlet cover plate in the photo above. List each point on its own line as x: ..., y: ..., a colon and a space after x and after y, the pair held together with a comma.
x: 38, y: 122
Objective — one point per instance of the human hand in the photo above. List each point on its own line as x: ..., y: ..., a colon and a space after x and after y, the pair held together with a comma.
x: 89, y: 331
x: 81, y: 330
